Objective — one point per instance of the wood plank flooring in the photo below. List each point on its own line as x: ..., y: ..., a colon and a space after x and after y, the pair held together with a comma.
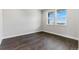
x: 39, y: 41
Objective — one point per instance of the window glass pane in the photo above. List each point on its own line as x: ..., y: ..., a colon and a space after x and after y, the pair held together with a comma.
x: 51, y: 16
x: 61, y: 16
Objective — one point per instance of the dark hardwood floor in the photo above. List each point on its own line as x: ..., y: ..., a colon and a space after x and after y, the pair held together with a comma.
x: 39, y: 41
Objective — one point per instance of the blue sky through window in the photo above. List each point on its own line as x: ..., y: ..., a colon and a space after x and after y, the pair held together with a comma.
x: 61, y: 16
x: 51, y: 16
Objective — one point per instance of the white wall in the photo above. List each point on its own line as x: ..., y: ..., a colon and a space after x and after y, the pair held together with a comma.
x: 19, y: 22
x: 71, y: 30
x: 0, y: 26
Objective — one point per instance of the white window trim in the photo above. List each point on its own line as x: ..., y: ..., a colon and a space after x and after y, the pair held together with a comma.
x: 54, y: 23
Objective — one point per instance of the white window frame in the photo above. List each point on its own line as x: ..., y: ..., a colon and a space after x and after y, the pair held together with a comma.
x: 55, y: 18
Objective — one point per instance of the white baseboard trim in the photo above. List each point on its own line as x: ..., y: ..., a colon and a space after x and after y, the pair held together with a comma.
x: 19, y: 35
x: 75, y: 38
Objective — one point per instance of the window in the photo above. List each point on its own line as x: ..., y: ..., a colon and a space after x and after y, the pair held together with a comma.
x: 51, y: 17
x: 61, y: 16
x: 58, y: 17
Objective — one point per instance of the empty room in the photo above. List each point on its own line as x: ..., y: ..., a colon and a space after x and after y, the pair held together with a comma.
x: 39, y: 29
